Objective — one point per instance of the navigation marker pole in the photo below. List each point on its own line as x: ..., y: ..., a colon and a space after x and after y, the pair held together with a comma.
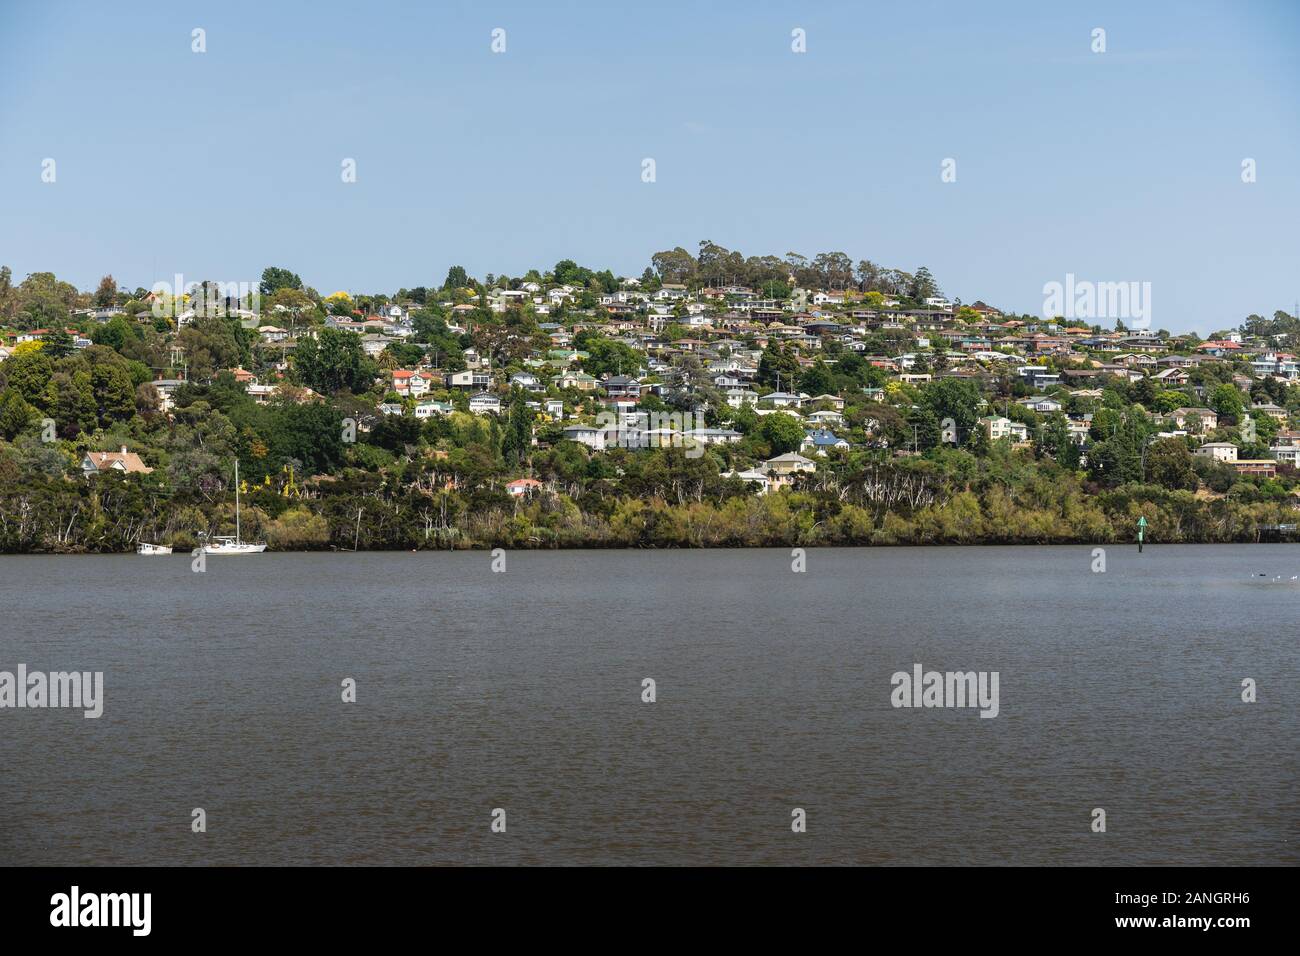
x: 1142, y: 524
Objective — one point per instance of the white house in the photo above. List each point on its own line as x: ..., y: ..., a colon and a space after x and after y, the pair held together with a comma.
x: 523, y: 487
x: 781, y: 399
x: 788, y: 464
x: 1218, y: 451
x: 261, y: 393
x: 714, y: 436
x: 588, y: 435
x: 820, y: 442
x: 834, y: 401
x: 430, y: 408
x: 485, y: 403
x: 755, y: 477
x: 1286, y: 454
x: 1042, y: 404
x: 412, y: 384
x: 527, y: 381
x: 373, y: 343
x: 499, y: 300
x: 738, y: 397
x: 997, y: 427
x: 825, y: 418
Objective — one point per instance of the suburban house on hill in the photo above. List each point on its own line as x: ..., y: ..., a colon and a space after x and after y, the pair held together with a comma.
x: 997, y: 428
x: 622, y: 386
x: 1218, y: 451
x: 522, y: 487
x: 123, y: 462
x: 789, y: 464
x: 485, y: 403
x: 1198, y: 419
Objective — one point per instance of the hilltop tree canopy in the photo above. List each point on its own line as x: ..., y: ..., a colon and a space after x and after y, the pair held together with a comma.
x: 418, y: 469
x: 274, y: 279
x: 334, y: 360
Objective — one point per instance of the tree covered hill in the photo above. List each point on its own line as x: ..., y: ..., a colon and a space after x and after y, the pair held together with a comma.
x: 817, y: 403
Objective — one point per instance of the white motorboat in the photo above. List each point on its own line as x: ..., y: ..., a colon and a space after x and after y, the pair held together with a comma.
x: 149, y: 550
x: 224, y: 544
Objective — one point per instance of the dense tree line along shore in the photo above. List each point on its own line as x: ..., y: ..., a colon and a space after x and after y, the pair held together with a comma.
x: 717, y: 400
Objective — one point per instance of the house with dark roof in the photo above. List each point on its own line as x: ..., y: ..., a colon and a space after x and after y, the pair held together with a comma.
x: 821, y: 441
x: 622, y: 386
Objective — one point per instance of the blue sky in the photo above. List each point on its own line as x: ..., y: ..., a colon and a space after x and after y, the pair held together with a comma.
x: 1114, y: 167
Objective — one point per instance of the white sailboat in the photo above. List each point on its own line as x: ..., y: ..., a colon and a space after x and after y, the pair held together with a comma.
x: 224, y: 544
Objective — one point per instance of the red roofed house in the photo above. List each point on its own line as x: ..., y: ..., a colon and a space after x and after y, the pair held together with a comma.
x: 413, y: 384
x: 523, y: 486
x: 1218, y: 348
x: 123, y: 462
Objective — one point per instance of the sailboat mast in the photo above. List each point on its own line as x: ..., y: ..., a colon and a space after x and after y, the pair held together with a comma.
x: 236, y: 501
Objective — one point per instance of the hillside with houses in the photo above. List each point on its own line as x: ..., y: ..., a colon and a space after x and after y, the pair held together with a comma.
x: 713, y: 400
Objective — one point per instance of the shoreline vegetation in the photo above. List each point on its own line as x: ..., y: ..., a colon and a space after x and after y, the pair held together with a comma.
x: 1019, y: 500
x: 715, y: 401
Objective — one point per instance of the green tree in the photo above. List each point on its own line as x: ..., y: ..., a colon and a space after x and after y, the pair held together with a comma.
x: 568, y: 272
x: 15, y: 413
x: 519, y: 429
x: 1226, y: 400
x: 924, y: 429
x: 817, y: 379
x: 923, y: 285
x: 674, y: 265
x: 75, y: 408
x: 1169, y: 463
x: 58, y: 343
x: 106, y: 294
x: 457, y: 278
x: 782, y: 432
x: 115, y: 333
x: 1057, y: 442
x: 334, y: 360
x: 114, y: 393
x: 310, y: 434
x: 1119, y: 459
x: 274, y: 279
x: 29, y: 372
x: 44, y: 301
x: 955, y: 399
x: 1266, y: 427
x: 777, y: 364
x: 606, y: 356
